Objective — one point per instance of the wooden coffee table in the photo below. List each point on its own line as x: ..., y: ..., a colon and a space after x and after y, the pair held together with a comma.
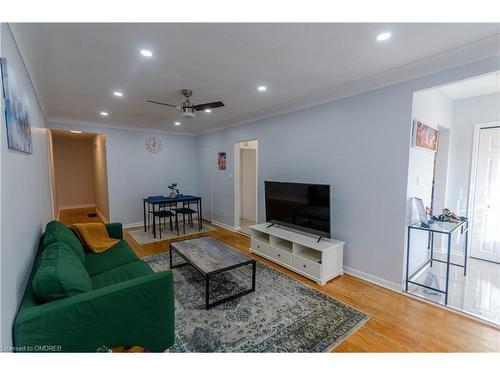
x: 209, y: 257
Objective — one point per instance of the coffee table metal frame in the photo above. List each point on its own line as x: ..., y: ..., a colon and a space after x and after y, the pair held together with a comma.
x: 209, y: 305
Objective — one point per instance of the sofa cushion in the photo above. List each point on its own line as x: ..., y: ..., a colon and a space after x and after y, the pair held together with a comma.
x: 60, y: 274
x: 115, y: 256
x: 123, y: 273
x: 56, y: 231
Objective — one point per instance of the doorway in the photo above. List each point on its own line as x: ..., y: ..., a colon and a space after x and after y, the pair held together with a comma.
x: 466, y: 181
x: 485, y: 197
x: 79, y: 176
x: 246, y: 156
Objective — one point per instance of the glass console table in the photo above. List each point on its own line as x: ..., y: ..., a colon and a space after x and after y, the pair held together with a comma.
x: 446, y: 229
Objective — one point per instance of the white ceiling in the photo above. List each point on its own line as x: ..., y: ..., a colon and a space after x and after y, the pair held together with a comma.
x: 484, y: 85
x: 76, y: 67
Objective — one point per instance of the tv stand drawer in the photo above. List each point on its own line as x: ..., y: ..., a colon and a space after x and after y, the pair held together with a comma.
x: 281, y: 255
x: 259, y: 246
x: 307, y: 266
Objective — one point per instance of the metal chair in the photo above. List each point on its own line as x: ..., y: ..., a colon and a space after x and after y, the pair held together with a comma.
x: 163, y: 214
x: 186, y: 210
x: 150, y: 211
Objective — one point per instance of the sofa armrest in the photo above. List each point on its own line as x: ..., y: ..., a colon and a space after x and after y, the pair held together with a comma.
x: 135, y: 312
x: 115, y: 230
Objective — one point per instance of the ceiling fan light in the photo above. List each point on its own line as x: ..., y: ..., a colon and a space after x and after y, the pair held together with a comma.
x: 187, y: 113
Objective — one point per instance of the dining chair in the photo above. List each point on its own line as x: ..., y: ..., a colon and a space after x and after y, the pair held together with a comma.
x: 186, y: 210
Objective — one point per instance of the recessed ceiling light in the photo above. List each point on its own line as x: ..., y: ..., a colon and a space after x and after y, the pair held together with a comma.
x: 262, y: 88
x: 104, y: 114
x: 208, y: 110
x: 177, y: 123
x: 146, y: 53
x: 76, y: 131
x: 118, y: 93
x: 383, y: 36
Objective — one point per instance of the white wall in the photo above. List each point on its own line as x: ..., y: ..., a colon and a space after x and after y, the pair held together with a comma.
x: 25, y: 197
x: 467, y: 113
x: 359, y: 145
x: 434, y: 109
x: 135, y: 173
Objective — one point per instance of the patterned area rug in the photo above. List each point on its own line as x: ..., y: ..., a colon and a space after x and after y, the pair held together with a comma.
x: 282, y: 315
x: 143, y: 238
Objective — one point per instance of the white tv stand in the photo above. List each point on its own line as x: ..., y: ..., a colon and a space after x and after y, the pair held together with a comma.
x: 319, y: 261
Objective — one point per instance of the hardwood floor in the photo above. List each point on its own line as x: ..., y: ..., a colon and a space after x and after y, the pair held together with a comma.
x: 398, y: 323
x: 78, y: 215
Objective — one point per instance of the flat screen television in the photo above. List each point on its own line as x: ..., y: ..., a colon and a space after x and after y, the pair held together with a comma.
x: 305, y: 207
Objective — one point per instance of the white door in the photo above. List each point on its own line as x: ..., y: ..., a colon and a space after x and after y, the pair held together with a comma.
x: 485, y: 242
x: 206, y: 165
x: 248, y: 171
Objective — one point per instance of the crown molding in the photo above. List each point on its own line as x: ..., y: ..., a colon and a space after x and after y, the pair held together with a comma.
x: 96, y: 125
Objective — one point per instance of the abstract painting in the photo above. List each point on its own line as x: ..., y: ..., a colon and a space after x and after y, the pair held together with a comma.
x: 17, y: 112
x: 221, y: 161
x: 424, y: 136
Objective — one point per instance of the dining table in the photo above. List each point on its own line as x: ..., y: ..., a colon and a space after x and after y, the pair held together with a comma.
x: 156, y: 201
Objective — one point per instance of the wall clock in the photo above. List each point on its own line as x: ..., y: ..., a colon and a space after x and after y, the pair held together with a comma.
x: 153, y: 144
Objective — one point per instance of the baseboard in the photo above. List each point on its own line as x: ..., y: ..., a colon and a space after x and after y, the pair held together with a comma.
x: 374, y: 279
x: 77, y: 206
x: 225, y: 226
x: 104, y: 220
x: 133, y: 225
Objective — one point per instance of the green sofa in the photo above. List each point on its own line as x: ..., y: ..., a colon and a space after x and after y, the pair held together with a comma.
x: 79, y: 301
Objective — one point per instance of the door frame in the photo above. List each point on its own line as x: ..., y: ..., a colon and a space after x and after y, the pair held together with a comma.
x: 237, y: 182
x: 52, y: 176
x: 472, y: 179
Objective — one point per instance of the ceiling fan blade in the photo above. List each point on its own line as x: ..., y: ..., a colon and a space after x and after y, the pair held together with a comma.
x: 201, y: 107
x: 165, y: 104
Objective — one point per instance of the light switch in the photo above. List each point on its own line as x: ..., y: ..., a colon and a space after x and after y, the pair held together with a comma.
x: 419, y: 180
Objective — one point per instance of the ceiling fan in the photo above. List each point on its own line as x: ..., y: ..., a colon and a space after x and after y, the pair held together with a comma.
x: 187, y: 108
